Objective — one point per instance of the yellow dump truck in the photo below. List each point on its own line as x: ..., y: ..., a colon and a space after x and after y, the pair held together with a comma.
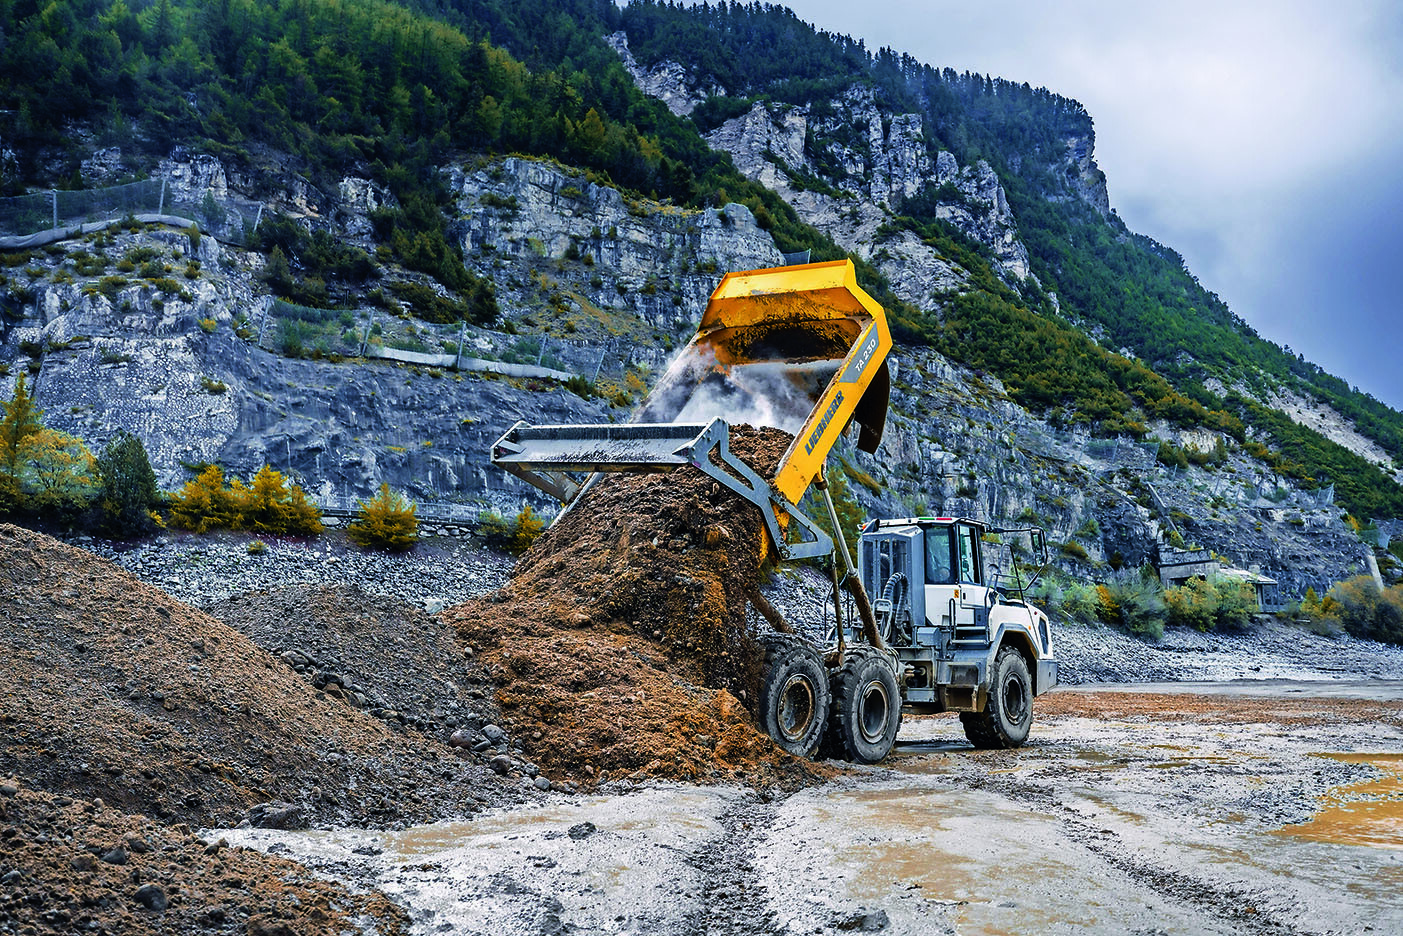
x: 804, y: 348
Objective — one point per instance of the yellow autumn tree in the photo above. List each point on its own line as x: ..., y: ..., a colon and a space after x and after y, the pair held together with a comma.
x: 57, y: 472
x: 205, y: 503
x: 529, y: 526
x: 387, y: 521
x: 266, y: 505
x: 269, y: 505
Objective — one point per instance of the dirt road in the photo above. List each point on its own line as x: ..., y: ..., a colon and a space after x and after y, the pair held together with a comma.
x: 1129, y: 812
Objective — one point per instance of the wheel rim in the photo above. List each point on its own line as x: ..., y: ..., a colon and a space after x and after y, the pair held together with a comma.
x: 876, y: 707
x: 796, y: 708
x: 1015, y: 700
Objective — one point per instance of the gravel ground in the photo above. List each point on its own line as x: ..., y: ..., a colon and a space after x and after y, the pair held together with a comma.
x: 202, y: 570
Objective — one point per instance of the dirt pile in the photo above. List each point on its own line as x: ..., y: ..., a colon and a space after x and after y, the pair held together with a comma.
x: 112, y: 689
x: 376, y: 653
x: 79, y: 866
x: 621, y: 647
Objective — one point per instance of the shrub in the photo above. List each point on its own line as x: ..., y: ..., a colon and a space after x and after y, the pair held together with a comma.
x: 580, y: 386
x: 1081, y: 603
x: 1135, y: 602
x: 127, y: 491
x: 257, y: 548
x: 1193, y: 604
x: 266, y: 505
x: 1366, y: 612
x: 1205, y: 605
x: 515, y: 536
x: 205, y: 503
x: 1075, y: 550
x: 385, y: 522
x: 529, y: 526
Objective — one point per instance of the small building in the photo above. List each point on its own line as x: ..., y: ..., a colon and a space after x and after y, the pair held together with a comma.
x: 1267, y: 589
x: 1177, y: 566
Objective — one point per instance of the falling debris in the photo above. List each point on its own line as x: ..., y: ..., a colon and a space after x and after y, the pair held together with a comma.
x: 621, y: 648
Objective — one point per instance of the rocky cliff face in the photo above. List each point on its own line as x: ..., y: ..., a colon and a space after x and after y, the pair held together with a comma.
x: 190, y: 363
x: 670, y: 82
x: 615, y: 264
x: 596, y: 283
x: 848, y: 170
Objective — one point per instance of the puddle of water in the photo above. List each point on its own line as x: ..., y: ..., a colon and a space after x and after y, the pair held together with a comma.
x: 1366, y: 813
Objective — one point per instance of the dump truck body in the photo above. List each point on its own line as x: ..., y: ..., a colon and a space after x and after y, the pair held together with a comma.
x: 801, y: 348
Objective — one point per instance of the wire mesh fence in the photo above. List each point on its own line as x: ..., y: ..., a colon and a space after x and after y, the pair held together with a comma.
x: 224, y: 216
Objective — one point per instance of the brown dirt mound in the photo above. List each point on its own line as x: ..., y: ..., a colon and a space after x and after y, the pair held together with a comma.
x: 83, y: 867
x: 110, y: 688
x: 621, y: 648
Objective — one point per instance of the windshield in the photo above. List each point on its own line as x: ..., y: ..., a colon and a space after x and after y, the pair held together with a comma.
x: 940, y: 566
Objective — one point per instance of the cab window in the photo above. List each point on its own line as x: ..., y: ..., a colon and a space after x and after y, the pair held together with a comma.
x: 940, y: 567
x: 969, y: 555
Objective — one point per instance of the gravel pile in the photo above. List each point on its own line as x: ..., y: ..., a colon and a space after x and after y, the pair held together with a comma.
x: 202, y: 570
x: 1098, y: 654
x: 113, y: 689
x: 371, y: 651
x: 80, y: 866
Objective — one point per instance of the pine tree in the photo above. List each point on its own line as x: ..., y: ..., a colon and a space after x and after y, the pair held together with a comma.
x: 128, y: 493
x: 386, y: 522
x: 20, y: 422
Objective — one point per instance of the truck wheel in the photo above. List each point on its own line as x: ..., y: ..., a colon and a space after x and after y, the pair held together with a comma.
x: 794, y: 694
x: 1006, y: 718
x: 866, y: 706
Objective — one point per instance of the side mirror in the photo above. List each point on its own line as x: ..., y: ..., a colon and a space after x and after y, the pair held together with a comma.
x: 1038, y: 545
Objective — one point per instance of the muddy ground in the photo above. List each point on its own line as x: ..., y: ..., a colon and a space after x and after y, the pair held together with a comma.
x: 1126, y: 813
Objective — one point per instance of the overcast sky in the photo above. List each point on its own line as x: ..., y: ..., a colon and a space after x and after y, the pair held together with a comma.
x: 1262, y: 140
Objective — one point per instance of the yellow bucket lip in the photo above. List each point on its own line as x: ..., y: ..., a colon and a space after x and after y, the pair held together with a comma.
x: 809, y: 292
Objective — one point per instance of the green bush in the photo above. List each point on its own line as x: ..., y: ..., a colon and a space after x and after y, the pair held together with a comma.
x: 128, y: 495
x: 1135, y: 602
x: 1363, y: 610
x: 1205, y: 605
x: 515, y: 536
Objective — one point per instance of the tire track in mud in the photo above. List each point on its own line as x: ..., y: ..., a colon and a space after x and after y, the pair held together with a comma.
x: 732, y: 898
x: 1234, y: 907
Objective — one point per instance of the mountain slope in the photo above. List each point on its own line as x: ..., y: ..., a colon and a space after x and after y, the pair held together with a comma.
x: 364, y: 135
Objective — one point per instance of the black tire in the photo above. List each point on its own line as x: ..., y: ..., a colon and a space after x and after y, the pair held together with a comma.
x: 866, y: 706
x: 794, y: 693
x: 1008, y: 715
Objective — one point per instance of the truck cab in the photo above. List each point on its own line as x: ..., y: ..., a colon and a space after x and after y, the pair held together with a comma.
x: 967, y: 638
